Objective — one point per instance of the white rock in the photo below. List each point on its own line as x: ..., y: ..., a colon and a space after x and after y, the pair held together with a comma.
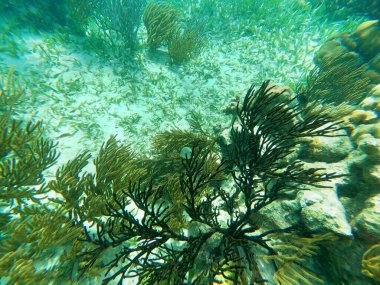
x: 367, y: 223
x: 321, y: 211
x: 375, y: 91
x: 371, y: 147
x: 368, y: 103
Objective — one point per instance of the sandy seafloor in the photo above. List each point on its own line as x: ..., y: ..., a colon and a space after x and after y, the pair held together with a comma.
x: 83, y: 98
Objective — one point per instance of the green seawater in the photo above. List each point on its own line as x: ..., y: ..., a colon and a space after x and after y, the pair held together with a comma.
x: 189, y: 142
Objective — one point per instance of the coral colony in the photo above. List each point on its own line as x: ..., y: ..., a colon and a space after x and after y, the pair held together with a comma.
x: 134, y: 148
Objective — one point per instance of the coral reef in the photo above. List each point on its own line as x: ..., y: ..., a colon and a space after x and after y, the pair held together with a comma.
x: 354, y: 56
x: 81, y: 220
x: 348, y: 61
x: 120, y: 218
x: 359, y: 48
x: 253, y: 158
x: 341, y: 94
x: 346, y: 70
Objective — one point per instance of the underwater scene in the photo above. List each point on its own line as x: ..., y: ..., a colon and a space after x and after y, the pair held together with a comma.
x: 190, y: 142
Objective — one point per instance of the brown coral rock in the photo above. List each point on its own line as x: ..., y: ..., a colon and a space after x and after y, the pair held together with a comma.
x: 362, y: 47
x: 330, y: 50
x: 368, y: 38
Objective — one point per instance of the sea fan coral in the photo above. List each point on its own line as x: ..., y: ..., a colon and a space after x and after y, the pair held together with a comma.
x: 371, y: 262
x: 183, y: 44
x: 160, y: 20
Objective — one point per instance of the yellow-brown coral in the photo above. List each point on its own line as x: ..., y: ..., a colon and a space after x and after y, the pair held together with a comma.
x: 160, y: 20
x: 291, y: 254
x: 371, y: 262
x: 183, y: 44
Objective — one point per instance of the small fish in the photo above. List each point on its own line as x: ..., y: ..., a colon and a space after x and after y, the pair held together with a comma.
x: 64, y: 135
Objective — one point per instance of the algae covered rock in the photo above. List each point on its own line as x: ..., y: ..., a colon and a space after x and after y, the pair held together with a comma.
x: 362, y: 116
x: 371, y: 147
x: 367, y: 223
x: 371, y: 175
x: 368, y: 39
x: 327, y: 149
x: 331, y: 49
x: 321, y: 211
x: 281, y: 214
x: 361, y: 48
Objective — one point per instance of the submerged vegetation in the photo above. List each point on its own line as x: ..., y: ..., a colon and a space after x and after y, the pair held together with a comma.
x: 175, y: 210
x: 337, y: 86
x: 371, y: 262
x: 183, y: 44
x: 337, y: 81
x: 343, y: 8
x: 160, y: 20
x: 115, y: 25
x: 180, y: 192
x: 12, y: 93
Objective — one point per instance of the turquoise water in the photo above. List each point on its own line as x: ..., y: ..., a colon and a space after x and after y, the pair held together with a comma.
x: 133, y: 151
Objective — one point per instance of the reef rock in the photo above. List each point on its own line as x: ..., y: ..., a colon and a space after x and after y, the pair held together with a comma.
x: 367, y: 37
x: 327, y: 149
x: 321, y: 211
x: 371, y: 147
x: 375, y: 91
x: 357, y: 154
x: 361, y: 46
x: 281, y: 214
x: 366, y: 224
x: 371, y: 174
x: 362, y: 116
